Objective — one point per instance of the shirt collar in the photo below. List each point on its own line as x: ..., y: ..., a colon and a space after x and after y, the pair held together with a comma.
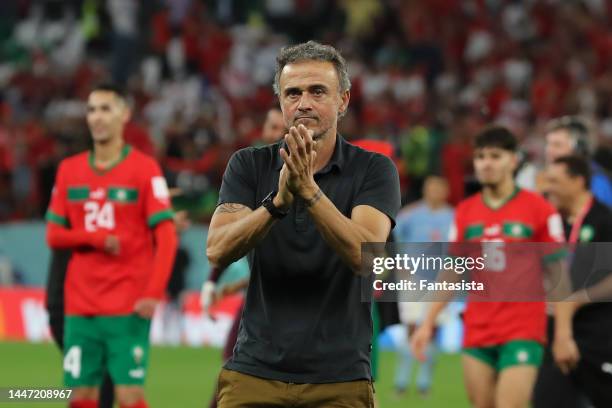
x: 336, y: 161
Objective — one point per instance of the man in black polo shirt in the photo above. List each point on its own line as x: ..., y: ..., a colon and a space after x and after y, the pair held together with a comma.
x: 583, y: 355
x: 300, y: 209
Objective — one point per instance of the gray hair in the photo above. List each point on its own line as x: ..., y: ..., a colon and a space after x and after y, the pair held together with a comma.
x: 577, y: 129
x: 312, y: 51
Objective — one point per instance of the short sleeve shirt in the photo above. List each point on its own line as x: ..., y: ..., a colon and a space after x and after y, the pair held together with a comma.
x: 304, y: 321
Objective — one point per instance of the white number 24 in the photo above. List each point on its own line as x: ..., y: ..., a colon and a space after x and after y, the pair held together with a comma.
x: 97, y: 216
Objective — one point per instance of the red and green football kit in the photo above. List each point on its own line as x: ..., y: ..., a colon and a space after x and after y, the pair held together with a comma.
x: 129, y: 200
x: 524, y: 217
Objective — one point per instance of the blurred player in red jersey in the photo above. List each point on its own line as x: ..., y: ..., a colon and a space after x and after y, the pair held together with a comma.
x: 111, y: 207
x: 503, y: 344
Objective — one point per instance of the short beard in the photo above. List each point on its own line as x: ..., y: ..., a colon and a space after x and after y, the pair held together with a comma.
x: 321, y: 135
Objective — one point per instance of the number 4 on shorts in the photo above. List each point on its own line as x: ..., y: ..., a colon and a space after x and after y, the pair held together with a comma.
x: 72, y: 361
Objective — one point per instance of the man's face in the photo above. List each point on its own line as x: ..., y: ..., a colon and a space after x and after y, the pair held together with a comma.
x: 435, y: 190
x: 310, y: 95
x: 561, y: 186
x: 274, y: 127
x: 558, y: 143
x: 493, y: 165
x: 107, y: 115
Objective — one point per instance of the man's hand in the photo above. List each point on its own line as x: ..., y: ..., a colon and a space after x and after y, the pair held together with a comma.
x: 145, y: 307
x: 207, y: 294
x: 181, y: 221
x: 111, y: 245
x: 300, y: 161
x: 284, y: 198
x: 565, y: 352
x: 420, y: 341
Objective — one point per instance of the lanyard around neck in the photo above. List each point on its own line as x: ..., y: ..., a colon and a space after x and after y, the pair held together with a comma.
x: 577, y: 224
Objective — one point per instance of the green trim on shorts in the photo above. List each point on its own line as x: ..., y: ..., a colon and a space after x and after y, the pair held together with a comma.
x: 510, y: 354
x: 96, y: 345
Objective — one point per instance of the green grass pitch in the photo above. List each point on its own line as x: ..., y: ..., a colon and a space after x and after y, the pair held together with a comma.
x: 184, y: 377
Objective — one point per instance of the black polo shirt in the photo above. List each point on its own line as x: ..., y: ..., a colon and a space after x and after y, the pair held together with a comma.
x: 592, y: 262
x: 304, y: 321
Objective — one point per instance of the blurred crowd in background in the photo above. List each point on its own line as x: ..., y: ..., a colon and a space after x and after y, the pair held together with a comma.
x: 426, y: 76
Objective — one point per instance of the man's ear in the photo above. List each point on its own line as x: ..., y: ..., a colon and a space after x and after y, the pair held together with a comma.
x: 127, y: 114
x: 345, y: 98
x: 516, y: 160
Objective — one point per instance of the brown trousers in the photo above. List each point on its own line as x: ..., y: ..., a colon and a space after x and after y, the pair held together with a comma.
x: 237, y: 390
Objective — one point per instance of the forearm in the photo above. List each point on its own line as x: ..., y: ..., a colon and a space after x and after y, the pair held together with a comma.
x: 166, y: 243
x: 63, y: 238
x: 341, y: 233
x: 232, y: 241
x: 600, y: 292
x: 240, y: 285
x: 561, y: 287
x: 564, y: 314
x: 433, y: 312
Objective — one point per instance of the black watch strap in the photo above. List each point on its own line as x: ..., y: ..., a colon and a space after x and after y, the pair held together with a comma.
x: 268, y: 204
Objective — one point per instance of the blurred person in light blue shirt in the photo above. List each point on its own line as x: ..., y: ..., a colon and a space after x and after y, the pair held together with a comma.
x: 428, y: 220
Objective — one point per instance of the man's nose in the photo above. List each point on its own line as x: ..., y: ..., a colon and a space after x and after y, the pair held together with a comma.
x: 305, y: 102
x: 93, y: 116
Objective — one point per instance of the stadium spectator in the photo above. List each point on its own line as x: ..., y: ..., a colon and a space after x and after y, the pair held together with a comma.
x: 304, y: 324
x: 111, y: 208
x: 574, y: 365
x: 407, y: 79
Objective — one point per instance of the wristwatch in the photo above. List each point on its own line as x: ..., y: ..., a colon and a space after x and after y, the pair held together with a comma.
x: 272, y: 209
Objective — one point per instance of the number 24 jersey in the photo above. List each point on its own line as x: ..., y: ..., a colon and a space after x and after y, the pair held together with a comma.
x: 126, y: 200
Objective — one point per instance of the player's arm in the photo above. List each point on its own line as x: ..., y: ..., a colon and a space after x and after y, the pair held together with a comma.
x: 59, y: 237
x: 439, y: 299
x: 424, y: 332
x: 166, y: 244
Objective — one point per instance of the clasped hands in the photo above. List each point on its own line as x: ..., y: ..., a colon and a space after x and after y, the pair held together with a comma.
x: 297, y: 174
